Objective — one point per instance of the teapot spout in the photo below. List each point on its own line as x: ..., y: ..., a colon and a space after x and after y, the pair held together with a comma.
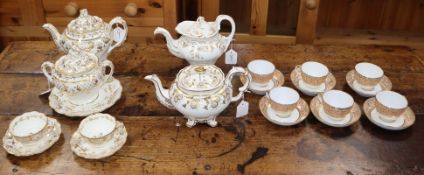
x: 56, y: 36
x: 161, y: 94
x: 170, y: 42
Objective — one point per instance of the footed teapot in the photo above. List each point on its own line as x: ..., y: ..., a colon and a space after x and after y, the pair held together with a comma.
x: 200, y: 92
x: 200, y: 41
x: 91, y: 34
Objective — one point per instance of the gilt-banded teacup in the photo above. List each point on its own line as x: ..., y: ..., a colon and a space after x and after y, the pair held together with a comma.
x: 390, y: 105
x: 97, y: 128
x: 261, y: 71
x: 314, y: 73
x: 29, y: 127
x: 337, y: 103
x: 283, y: 100
x: 368, y: 75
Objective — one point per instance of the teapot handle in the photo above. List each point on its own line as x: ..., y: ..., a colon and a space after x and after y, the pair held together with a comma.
x: 219, y: 19
x: 109, y: 64
x: 45, y: 67
x: 119, y: 22
x: 242, y: 72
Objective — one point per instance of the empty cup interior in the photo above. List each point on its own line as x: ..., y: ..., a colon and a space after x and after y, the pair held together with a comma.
x: 338, y: 99
x: 28, y: 125
x: 261, y: 67
x: 284, y: 95
x: 369, y: 70
x: 392, y: 99
x: 97, y: 126
x: 314, y: 69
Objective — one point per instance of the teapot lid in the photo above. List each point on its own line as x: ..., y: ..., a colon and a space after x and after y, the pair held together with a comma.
x: 200, y: 78
x: 85, y: 27
x: 76, y: 63
x: 198, y: 29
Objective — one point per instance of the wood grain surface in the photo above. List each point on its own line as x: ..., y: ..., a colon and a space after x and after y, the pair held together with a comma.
x: 159, y: 143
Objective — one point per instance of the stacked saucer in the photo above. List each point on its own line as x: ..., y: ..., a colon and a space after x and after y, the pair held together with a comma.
x: 389, y: 110
x: 312, y: 78
x: 335, y: 108
x: 283, y: 106
x: 368, y: 79
x: 82, y: 86
x: 264, y: 76
x: 31, y: 133
x: 98, y: 136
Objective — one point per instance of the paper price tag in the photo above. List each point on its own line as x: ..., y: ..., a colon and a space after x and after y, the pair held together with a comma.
x: 231, y: 57
x: 118, y: 34
x: 242, y: 109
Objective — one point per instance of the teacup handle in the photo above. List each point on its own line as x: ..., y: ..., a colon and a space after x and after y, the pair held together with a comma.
x: 109, y: 64
x: 119, y: 22
x: 242, y: 72
x: 47, y: 68
x: 219, y: 19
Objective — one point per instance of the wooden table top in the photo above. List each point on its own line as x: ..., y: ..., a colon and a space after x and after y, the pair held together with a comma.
x: 157, y: 145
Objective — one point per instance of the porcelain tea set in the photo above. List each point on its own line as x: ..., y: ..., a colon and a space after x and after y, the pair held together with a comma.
x: 83, y: 85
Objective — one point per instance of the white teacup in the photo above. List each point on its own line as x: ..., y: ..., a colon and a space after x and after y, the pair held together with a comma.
x: 29, y: 127
x: 261, y: 71
x: 390, y: 105
x: 368, y: 75
x: 337, y: 104
x: 314, y: 73
x: 97, y: 128
x: 283, y: 100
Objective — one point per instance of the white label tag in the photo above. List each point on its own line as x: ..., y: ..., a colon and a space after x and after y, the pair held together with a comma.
x: 231, y: 57
x: 118, y: 34
x: 242, y: 109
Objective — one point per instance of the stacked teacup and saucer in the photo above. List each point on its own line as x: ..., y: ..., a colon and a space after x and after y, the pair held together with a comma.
x: 264, y: 76
x: 389, y: 110
x: 283, y: 106
x: 312, y: 78
x: 335, y: 108
x: 82, y: 84
x: 368, y: 79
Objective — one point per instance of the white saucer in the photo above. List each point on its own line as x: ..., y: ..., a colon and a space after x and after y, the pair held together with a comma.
x: 395, y: 124
x: 296, y: 78
x: 297, y: 116
x: 294, y: 115
x: 317, y: 110
x: 384, y: 85
x: 83, y: 148
x: 403, y: 122
x: 17, y: 148
x: 109, y: 93
x: 259, y: 89
x: 329, y: 120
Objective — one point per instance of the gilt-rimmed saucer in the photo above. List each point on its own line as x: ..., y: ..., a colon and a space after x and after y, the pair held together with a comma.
x: 277, y: 80
x: 384, y: 85
x: 319, y: 113
x: 297, y: 116
x: 296, y: 78
x: 50, y: 135
x: 404, y: 121
x: 82, y: 147
x: 109, y: 93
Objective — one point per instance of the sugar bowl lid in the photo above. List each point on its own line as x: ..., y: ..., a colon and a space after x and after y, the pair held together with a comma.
x: 85, y: 27
x: 76, y: 63
x: 197, y: 29
x: 198, y: 78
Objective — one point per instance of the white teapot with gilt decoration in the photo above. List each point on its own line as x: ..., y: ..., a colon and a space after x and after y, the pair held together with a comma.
x: 200, y: 92
x: 200, y: 41
x: 91, y: 34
